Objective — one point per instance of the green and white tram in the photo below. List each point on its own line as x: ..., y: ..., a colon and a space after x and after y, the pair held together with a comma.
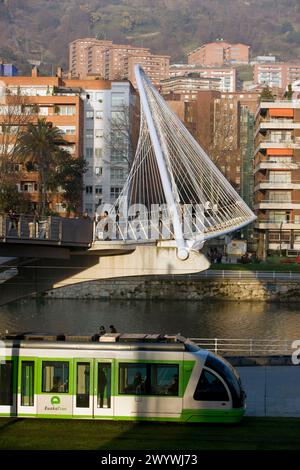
x: 120, y: 377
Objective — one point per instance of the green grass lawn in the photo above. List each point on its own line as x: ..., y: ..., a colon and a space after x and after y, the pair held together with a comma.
x: 250, y: 434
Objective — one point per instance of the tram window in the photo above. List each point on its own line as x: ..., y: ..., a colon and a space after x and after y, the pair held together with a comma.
x: 104, y: 385
x: 132, y: 379
x: 83, y: 385
x: 164, y: 379
x: 149, y: 379
x: 55, y: 377
x: 27, y: 383
x: 210, y: 388
x: 6, y: 383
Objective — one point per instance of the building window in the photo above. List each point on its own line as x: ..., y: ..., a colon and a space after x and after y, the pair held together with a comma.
x: 280, y: 176
x: 29, y: 187
x: 117, y: 99
x: 59, y: 207
x: 98, y: 133
x: 98, y: 189
x: 89, y: 152
x: 89, y: 134
x: 99, y: 114
x: 55, y: 377
x: 89, y: 189
x: 149, y: 379
x: 65, y: 110
x: 98, y: 152
x: 90, y: 114
x: 115, y: 191
x: 118, y: 175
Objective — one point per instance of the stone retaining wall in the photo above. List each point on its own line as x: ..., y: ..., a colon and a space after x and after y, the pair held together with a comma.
x: 189, y: 288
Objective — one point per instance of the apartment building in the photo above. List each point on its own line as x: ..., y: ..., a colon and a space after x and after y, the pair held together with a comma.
x: 189, y: 84
x: 93, y: 115
x: 155, y: 66
x: 226, y: 75
x: 114, y: 61
x: 82, y: 59
x: 219, y: 53
x: 277, y: 75
x: 277, y: 176
x: 41, y: 99
x: 222, y: 123
x: 107, y: 138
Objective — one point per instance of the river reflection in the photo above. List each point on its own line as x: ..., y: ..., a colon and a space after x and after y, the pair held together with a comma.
x: 205, y: 319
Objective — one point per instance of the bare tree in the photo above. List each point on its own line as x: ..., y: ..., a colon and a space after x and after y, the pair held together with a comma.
x: 121, y: 139
x: 15, y: 114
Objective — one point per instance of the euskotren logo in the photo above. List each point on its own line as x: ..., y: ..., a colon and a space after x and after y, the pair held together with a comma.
x: 55, y: 401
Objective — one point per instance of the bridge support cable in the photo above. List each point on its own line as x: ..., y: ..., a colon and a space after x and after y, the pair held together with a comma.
x: 174, y: 190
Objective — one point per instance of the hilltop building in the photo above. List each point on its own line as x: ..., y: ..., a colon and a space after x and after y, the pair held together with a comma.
x: 219, y: 53
x: 92, y: 57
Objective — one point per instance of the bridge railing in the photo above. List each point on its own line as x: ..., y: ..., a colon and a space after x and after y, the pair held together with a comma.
x: 57, y: 230
x: 229, y: 274
x: 246, y: 347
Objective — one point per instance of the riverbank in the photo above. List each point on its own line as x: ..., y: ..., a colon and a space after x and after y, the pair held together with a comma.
x: 190, y: 287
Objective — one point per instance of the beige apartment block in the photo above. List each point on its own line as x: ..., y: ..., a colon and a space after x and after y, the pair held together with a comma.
x: 277, y: 75
x: 226, y: 75
x: 216, y: 54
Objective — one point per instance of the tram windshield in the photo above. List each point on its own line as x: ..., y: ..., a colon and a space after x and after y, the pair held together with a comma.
x: 227, y: 372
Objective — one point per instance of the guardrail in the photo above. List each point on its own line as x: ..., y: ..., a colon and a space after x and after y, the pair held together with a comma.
x: 57, y: 230
x: 227, y: 274
x: 246, y: 347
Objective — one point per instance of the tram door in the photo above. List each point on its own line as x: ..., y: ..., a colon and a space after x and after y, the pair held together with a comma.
x: 83, y: 383
x: 93, y: 383
x: 103, y: 380
x: 27, y: 397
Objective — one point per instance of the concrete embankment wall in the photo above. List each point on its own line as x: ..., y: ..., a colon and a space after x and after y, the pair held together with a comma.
x: 272, y: 385
x: 272, y: 390
x: 184, y: 288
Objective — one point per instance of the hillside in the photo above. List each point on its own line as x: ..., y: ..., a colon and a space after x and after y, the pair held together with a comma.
x: 31, y: 29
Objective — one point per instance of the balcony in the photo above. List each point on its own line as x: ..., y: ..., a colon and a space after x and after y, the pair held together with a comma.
x: 267, y: 143
x: 276, y: 124
x: 265, y: 204
x: 278, y: 225
x: 277, y: 165
x: 281, y: 184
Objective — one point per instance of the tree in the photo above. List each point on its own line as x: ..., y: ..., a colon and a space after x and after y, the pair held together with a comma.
x: 11, y: 198
x: 121, y: 140
x: 289, y: 93
x: 266, y: 94
x: 39, y: 145
x: 67, y: 176
x: 15, y: 113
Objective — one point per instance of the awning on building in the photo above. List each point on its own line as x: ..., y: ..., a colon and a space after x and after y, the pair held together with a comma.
x: 277, y: 112
x: 285, y: 152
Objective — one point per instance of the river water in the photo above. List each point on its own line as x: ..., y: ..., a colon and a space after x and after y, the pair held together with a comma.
x: 203, y: 319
